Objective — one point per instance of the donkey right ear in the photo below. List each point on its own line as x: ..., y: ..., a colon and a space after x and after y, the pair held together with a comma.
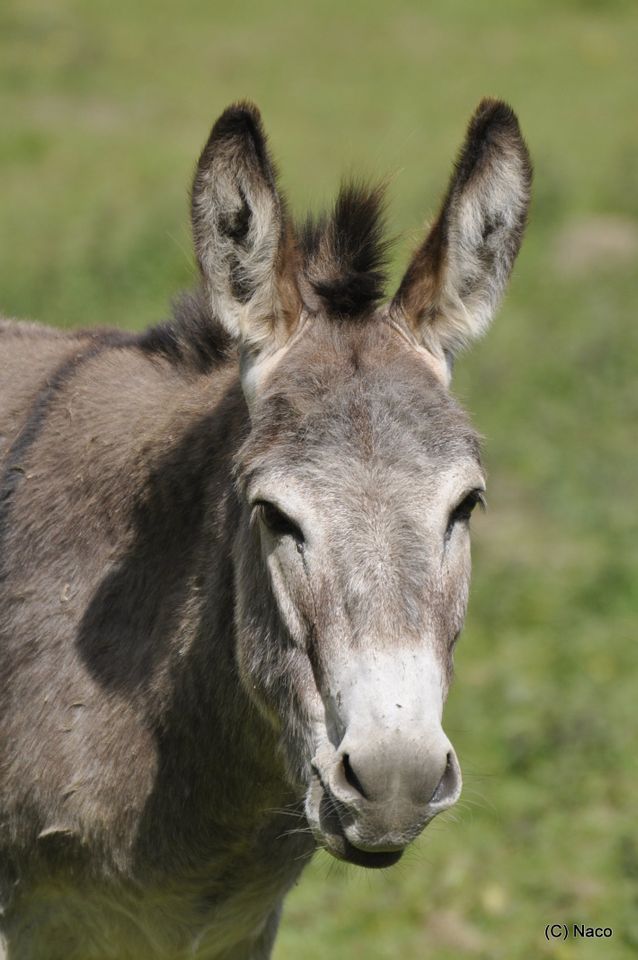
x: 241, y: 231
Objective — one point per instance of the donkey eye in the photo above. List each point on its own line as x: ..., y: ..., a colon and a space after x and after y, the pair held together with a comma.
x: 463, y: 510
x: 277, y: 522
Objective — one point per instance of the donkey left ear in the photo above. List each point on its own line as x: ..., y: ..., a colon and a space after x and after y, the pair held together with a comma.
x: 457, y: 277
x: 241, y: 231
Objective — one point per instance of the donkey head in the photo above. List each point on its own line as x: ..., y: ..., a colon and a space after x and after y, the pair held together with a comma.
x: 360, y: 471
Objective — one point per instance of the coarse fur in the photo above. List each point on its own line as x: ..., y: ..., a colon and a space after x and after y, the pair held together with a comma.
x: 234, y: 562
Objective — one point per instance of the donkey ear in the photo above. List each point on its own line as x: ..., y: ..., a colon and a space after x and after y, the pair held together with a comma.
x: 240, y: 229
x: 457, y: 277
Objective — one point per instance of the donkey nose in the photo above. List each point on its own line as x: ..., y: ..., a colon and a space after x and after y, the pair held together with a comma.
x: 436, y: 782
x: 387, y: 792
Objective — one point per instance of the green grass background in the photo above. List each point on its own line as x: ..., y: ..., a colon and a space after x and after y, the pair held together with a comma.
x: 103, y: 109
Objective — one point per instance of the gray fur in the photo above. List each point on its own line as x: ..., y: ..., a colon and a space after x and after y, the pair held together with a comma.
x: 196, y: 691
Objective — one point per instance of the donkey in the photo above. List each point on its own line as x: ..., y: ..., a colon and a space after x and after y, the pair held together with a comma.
x: 235, y: 562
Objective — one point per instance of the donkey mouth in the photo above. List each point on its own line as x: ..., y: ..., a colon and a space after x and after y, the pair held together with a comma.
x: 364, y: 858
x: 323, y: 816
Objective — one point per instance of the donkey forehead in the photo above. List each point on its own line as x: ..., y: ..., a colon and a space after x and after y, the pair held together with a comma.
x: 350, y: 408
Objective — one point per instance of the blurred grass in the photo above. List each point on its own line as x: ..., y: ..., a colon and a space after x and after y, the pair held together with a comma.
x: 104, y: 108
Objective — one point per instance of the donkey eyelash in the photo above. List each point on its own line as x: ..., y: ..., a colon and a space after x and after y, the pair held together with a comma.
x: 481, y: 498
x: 465, y: 507
x: 278, y: 522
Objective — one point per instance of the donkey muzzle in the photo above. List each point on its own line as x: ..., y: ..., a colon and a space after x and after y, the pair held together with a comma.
x: 393, y: 770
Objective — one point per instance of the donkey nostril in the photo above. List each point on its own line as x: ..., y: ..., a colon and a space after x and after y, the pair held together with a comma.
x: 351, y: 776
x: 448, y: 785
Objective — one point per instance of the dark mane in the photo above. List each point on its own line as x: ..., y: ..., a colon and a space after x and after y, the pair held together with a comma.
x: 193, y: 336
x: 344, y: 254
